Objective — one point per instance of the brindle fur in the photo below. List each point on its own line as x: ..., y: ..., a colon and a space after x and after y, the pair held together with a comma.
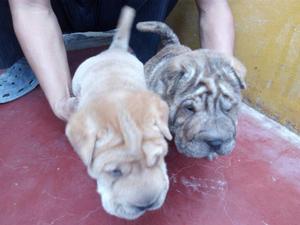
x: 203, y: 90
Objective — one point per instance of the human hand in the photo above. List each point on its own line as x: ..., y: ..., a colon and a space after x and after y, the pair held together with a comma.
x: 63, y: 109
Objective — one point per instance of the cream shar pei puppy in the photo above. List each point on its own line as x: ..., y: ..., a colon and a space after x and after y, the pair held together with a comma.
x: 203, y: 90
x: 119, y: 128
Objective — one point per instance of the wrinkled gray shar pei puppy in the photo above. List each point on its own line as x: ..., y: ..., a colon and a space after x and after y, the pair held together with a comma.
x: 203, y: 90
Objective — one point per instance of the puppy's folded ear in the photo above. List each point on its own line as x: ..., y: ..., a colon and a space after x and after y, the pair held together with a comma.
x: 161, y: 116
x: 154, y: 151
x: 154, y: 146
x: 82, y: 133
x: 238, y: 68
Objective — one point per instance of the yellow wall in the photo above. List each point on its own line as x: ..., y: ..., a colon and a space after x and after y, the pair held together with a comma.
x: 268, y: 42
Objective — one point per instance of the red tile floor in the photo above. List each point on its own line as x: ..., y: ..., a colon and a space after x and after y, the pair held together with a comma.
x: 42, y: 181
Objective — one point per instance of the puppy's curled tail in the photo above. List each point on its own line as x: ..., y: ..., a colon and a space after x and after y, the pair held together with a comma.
x: 122, y: 35
x: 166, y: 34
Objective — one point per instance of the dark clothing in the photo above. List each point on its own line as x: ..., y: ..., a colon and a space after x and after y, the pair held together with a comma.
x: 90, y: 15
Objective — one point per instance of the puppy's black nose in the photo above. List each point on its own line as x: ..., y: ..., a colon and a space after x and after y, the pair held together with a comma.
x: 215, y: 144
x: 145, y: 207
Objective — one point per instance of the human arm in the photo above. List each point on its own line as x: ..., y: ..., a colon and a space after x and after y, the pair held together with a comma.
x: 40, y: 37
x: 216, y: 25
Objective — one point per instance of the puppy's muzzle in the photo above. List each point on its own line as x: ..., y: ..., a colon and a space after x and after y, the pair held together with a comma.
x: 205, y: 144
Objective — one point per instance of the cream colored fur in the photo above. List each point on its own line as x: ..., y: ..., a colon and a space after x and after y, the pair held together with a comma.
x: 119, y: 129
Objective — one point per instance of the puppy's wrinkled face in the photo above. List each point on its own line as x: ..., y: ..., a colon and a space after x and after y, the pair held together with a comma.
x: 203, y: 90
x: 122, y: 143
x: 130, y: 188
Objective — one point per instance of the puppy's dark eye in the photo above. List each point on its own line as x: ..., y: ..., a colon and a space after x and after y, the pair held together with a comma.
x: 227, y: 103
x: 116, y: 173
x: 190, y: 108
